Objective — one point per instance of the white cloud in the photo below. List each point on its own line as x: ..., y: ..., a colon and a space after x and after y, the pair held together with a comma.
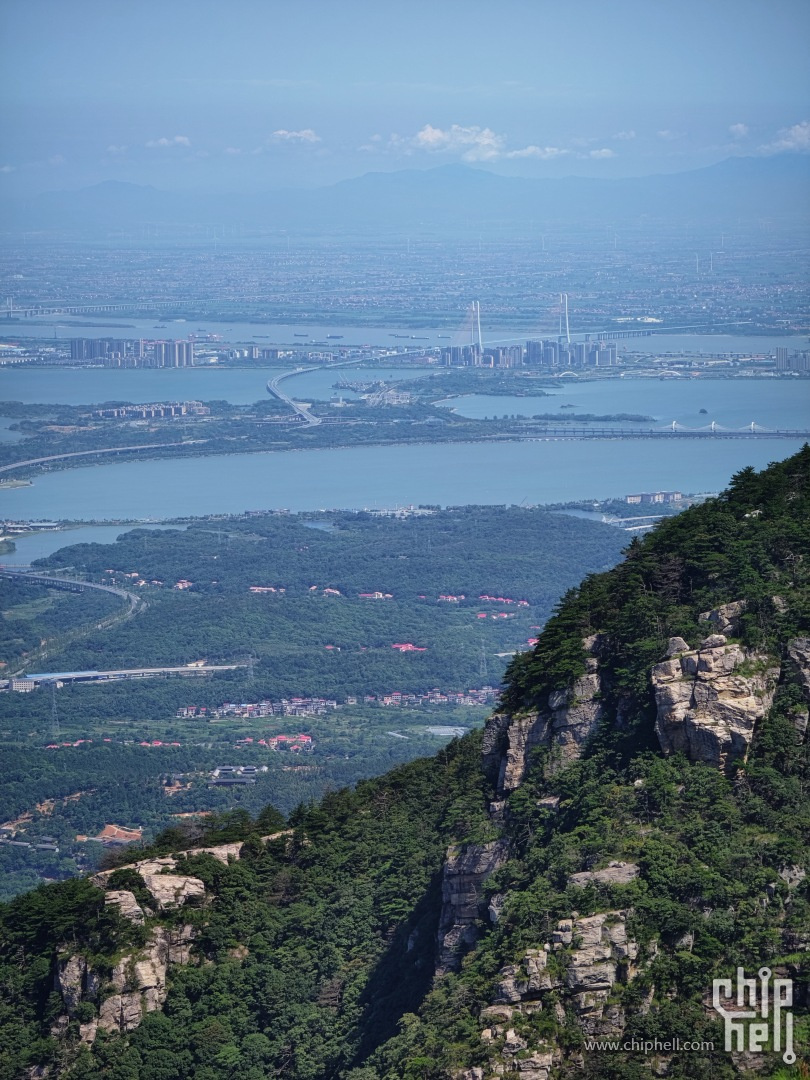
x: 7, y: 168
x: 625, y: 136
x: 739, y: 131
x: 796, y: 137
x: 670, y: 135
x: 543, y: 153
x: 232, y: 150
x: 113, y: 149
x: 176, y: 140
x: 474, y: 143
x: 306, y: 135
x: 57, y: 159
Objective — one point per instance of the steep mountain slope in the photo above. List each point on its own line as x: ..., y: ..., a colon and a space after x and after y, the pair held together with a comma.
x: 639, y: 827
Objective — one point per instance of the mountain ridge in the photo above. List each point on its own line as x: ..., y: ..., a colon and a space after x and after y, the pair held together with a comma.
x: 448, y: 195
x: 631, y: 824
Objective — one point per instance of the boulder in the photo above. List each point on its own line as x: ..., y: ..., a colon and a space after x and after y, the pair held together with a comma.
x: 537, y: 1066
x: 677, y: 645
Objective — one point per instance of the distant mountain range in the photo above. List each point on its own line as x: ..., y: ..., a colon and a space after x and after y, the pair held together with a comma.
x: 449, y: 197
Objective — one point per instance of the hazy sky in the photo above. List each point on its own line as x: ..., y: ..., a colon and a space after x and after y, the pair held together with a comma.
x: 252, y: 94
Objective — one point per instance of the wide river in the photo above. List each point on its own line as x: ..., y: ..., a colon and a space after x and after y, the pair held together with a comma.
x: 304, y: 335
x: 378, y: 477
x: 387, y: 476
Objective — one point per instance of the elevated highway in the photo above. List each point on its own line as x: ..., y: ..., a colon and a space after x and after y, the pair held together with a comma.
x: 93, y: 453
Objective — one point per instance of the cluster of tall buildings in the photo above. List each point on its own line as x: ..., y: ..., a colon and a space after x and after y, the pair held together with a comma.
x: 791, y: 361
x: 155, y: 411
x: 133, y: 354
x: 554, y: 355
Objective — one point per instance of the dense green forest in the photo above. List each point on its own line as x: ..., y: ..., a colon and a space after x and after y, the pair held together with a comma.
x: 283, y: 636
x: 320, y: 575
x: 33, y: 614
x: 313, y: 953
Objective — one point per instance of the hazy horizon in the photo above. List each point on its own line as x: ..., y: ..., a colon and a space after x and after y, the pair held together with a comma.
x: 194, y: 95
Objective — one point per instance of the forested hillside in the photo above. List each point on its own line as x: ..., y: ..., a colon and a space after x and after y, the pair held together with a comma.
x: 632, y: 824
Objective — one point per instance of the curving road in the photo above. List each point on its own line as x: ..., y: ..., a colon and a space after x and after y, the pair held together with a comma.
x: 135, y: 603
x: 297, y: 407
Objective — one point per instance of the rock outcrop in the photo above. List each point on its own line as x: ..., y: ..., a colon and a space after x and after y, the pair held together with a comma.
x: 575, y: 972
x: 128, y: 907
x: 168, y: 890
x: 160, y: 864
x: 466, y: 868
x: 615, y: 873
x: 173, y: 890
x: 72, y: 983
x: 726, y: 618
x: 137, y: 985
x: 710, y: 699
x: 565, y: 721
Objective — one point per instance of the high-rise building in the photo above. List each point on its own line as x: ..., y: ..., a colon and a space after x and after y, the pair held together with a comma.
x: 534, y: 353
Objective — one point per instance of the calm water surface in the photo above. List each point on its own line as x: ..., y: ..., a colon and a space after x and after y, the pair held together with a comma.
x: 38, y: 545
x: 386, y: 476
x: 269, y: 334
x: 732, y: 403
x: 81, y: 386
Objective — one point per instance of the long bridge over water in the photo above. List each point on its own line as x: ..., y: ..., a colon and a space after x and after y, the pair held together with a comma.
x: 672, y: 431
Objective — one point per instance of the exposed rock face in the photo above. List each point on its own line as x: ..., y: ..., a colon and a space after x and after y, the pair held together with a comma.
x: 799, y: 652
x: 586, y: 958
x: 526, y: 980
x: 223, y: 852
x: 120, y: 1012
x: 726, y: 618
x: 173, y: 890
x: 168, y: 890
x: 615, y: 873
x: 710, y: 699
x: 567, y: 720
x: 138, y: 982
x: 466, y: 867
x: 128, y: 907
x: 70, y: 982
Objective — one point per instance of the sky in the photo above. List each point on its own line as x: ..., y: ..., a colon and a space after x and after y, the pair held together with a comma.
x: 251, y: 95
